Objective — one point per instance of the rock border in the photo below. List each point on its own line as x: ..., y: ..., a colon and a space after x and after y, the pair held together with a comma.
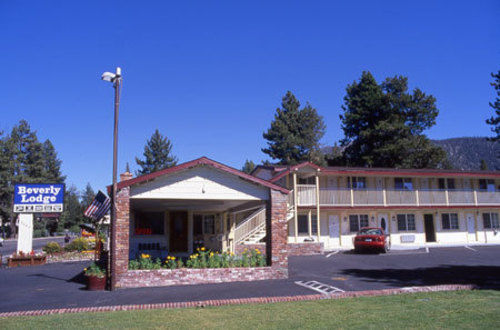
x: 241, y: 301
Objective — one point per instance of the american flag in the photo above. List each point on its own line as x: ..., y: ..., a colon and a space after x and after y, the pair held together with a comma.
x: 99, y: 206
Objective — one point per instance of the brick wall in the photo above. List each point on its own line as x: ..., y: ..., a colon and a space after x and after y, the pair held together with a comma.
x: 294, y: 249
x: 187, y: 276
x: 120, y: 251
x: 277, y: 232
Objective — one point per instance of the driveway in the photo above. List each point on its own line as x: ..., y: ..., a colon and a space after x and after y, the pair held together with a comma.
x: 10, y: 245
x: 62, y: 285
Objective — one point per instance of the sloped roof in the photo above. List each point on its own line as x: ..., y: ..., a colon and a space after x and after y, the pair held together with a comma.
x: 197, y: 162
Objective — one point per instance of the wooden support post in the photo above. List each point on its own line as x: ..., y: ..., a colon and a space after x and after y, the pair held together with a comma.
x: 295, y: 201
x: 318, y: 206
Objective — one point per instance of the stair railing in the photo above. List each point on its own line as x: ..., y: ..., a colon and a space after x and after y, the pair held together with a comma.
x: 249, y: 226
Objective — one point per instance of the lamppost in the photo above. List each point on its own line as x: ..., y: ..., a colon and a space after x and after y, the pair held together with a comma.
x: 116, y: 79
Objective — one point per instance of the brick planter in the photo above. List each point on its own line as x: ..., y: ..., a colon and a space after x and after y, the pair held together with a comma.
x: 294, y: 249
x: 26, y: 261
x: 189, y: 276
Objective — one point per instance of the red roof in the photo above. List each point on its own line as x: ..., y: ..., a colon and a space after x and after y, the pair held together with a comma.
x: 197, y: 162
x: 387, y: 171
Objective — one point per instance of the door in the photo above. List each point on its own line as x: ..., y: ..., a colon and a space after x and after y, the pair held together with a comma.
x: 334, y: 229
x: 178, y: 231
x: 384, y: 223
x: 471, y: 227
x: 430, y: 233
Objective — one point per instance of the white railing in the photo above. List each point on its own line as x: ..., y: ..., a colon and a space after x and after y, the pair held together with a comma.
x: 401, y: 197
x: 252, y: 224
x: 488, y: 197
x: 432, y: 197
x: 306, y: 194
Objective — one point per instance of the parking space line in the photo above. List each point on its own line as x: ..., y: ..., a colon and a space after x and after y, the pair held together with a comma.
x: 468, y: 247
x: 333, y: 253
x: 319, y: 287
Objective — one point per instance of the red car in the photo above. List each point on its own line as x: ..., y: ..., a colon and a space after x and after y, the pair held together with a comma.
x: 371, y: 239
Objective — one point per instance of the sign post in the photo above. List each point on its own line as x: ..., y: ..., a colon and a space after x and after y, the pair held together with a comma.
x: 32, y: 198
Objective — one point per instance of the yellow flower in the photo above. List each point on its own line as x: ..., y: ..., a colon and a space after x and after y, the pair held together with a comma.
x: 145, y: 256
x: 85, y: 269
x: 211, y: 254
x: 258, y: 252
x: 202, y: 248
x: 173, y: 258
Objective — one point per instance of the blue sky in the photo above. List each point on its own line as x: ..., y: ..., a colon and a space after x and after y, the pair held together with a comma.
x: 210, y: 75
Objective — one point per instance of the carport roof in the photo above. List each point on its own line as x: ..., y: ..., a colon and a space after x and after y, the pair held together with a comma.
x: 197, y: 162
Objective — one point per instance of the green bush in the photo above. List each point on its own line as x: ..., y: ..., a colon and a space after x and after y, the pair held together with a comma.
x: 52, y: 247
x: 78, y: 244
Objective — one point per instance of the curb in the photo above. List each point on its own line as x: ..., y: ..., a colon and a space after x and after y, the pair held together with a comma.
x: 240, y: 301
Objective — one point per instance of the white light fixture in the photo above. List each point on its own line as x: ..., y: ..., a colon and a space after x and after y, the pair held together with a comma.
x: 110, y: 76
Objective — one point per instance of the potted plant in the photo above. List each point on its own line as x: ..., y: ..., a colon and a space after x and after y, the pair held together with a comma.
x: 96, y: 277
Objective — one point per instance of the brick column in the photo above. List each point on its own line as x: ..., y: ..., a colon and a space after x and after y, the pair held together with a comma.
x: 120, y: 253
x: 277, y: 232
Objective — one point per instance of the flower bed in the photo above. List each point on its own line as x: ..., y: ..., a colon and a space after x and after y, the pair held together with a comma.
x: 21, y: 260
x: 202, y: 259
x: 201, y: 267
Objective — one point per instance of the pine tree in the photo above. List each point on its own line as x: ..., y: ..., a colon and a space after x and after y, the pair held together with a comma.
x: 87, y: 196
x: 384, y: 123
x: 6, y: 179
x: 295, y: 134
x: 483, y: 166
x: 495, y: 120
x: 157, y: 155
x: 248, y: 166
x: 52, y: 164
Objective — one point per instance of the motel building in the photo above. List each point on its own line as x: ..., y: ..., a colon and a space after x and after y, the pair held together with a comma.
x: 290, y: 210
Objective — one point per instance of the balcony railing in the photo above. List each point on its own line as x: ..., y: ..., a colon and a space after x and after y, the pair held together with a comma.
x: 306, y: 196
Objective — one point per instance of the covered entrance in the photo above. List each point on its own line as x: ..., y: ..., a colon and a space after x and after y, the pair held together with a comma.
x: 178, y: 231
x: 430, y: 232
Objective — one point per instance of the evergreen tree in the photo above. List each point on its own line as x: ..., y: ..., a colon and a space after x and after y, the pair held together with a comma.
x: 248, y: 166
x: 52, y: 164
x: 6, y: 179
x: 87, y: 196
x: 483, y: 166
x: 72, y: 215
x: 383, y: 125
x: 295, y: 134
x: 495, y: 119
x: 157, y: 155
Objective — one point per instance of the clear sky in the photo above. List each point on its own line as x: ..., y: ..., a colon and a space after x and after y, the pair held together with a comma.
x: 210, y: 74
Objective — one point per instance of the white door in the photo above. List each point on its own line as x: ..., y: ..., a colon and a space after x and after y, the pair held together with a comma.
x: 383, y: 222
x: 471, y: 227
x: 334, y: 229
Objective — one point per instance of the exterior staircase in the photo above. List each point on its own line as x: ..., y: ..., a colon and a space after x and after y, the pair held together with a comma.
x: 252, y: 229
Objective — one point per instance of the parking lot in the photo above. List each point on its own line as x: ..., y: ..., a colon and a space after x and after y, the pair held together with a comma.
x: 62, y: 285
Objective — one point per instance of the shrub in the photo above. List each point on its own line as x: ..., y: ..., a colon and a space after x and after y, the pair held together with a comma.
x: 52, y: 247
x: 95, y: 270
x: 78, y: 244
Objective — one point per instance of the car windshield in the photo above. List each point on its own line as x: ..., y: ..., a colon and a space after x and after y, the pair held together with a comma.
x: 370, y: 231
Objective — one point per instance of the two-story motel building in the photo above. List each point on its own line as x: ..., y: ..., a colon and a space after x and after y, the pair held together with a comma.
x: 415, y: 207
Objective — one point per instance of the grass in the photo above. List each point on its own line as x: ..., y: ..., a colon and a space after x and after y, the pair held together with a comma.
x: 457, y: 309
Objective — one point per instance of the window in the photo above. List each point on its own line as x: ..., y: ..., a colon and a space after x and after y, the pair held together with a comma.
x: 486, y: 184
x: 449, y: 221
x: 403, y: 184
x: 357, y: 221
x: 314, y: 225
x: 446, y: 184
x: 197, y: 224
x: 309, y: 180
x: 209, y: 224
x: 490, y: 221
x: 356, y: 182
x: 149, y: 223
x: 303, y: 225
x: 406, y: 222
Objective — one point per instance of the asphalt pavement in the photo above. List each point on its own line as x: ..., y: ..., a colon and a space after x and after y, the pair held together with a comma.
x: 10, y: 245
x: 62, y: 285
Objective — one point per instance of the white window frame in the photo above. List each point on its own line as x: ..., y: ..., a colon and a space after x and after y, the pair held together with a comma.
x: 451, y: 220
x: 407, y: 219
x: 359, y: 218
x: 493, y: 220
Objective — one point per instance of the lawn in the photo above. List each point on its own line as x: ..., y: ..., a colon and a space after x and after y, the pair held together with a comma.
x: 458, y: 309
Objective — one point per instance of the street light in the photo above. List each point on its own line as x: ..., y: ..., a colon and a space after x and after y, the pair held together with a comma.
x: 116, y: 79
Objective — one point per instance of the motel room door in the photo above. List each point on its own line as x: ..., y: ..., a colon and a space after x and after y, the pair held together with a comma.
x: 178, y: 240
x: 334, y: 229
x: 430, y: 233
x: 383, y: 222
x: 471, y: 227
